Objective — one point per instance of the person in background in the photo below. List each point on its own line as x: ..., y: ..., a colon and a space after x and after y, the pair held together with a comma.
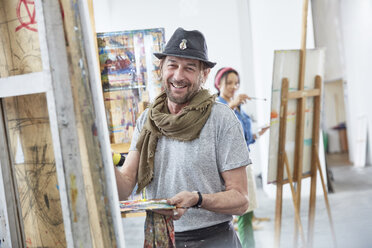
x: 189, y: 149
x: 227, y: 83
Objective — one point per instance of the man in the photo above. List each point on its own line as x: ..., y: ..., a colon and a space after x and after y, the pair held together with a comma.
x: 190, y: 150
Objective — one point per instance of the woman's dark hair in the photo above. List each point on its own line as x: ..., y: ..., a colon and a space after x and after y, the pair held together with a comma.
x: 221, y: 74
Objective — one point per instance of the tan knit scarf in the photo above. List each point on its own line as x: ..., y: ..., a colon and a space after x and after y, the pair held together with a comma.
x: 184, y: 126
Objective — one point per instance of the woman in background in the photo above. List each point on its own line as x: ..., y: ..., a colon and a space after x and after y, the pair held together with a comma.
x: 227, y: 82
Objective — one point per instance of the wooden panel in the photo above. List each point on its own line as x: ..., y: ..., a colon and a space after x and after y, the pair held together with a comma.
x: 55, y: 58
x: 28, y: 128
x: 99, y: 211
x: 34, y: 166
x: 5, y: 51
x: 121, y: 148
x: 79, y: 145
x: 76, y: 123
x: 15, y: 85
x: 11, y: 234
x: 20, y: 42
x: 95, y: 83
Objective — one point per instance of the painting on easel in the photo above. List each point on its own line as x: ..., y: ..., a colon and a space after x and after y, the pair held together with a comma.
x: 286, y: 65
x: 129, y: 76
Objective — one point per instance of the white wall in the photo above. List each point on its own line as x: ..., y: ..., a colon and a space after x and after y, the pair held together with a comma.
x: 327, y: 26
x: 356, y: 24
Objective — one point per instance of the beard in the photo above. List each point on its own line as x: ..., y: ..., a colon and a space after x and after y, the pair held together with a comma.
x: 187, y: 96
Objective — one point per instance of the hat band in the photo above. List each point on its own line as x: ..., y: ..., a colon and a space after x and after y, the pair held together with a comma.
x: 190, y: 52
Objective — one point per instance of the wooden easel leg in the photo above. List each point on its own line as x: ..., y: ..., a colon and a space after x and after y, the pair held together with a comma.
x: 294, y: 199
x: 326, y: 201
x: 314, y: 159
x: 281, y: 153
x: 312, y: 210
x: 278, y: 214
x: 300, y: 118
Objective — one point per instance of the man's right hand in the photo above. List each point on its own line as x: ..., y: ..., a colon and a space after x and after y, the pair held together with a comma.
x: 182, y: 201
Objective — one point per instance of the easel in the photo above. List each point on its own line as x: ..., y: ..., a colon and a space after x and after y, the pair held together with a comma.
x: 300, y: 96
x: 66, y: 80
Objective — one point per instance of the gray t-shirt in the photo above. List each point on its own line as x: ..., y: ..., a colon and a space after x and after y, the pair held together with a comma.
x: 196, y: 165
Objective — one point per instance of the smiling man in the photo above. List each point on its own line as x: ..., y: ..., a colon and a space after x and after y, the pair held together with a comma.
x: 189, y: 149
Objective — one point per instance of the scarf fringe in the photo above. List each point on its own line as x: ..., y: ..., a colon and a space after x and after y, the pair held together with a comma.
x: 144, y: 181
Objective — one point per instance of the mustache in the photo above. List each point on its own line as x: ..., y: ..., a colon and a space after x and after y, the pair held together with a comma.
x: 179, y: 82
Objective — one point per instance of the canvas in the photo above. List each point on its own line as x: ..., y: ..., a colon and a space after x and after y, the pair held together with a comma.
x: 286, y: 65
x: 129, y: 74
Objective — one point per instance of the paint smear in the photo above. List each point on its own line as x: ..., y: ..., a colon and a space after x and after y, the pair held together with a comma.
x: 274, y: 114
x: 74, y: 194
x: 308, y: 142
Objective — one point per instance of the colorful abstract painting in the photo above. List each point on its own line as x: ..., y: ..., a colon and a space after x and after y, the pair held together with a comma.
x: 129, y: 74
x: 286, y: 65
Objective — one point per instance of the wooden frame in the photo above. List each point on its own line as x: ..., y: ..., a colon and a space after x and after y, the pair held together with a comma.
x: 9, y: 210
x: 79, y: 131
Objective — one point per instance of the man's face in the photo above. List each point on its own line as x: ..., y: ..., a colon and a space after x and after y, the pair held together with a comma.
x: 182, y: 78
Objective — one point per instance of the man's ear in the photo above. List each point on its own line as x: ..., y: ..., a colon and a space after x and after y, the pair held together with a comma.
x: 206, y: 73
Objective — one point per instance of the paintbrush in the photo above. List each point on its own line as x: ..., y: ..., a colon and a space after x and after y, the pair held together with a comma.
x: 183, y: 207
x: 257, y: 98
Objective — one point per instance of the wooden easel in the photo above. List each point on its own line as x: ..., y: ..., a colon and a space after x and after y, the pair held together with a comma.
x: 69, y: 104
x: 300, y: 96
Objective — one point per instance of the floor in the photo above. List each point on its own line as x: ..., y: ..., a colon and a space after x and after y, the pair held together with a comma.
x: 351, y: 209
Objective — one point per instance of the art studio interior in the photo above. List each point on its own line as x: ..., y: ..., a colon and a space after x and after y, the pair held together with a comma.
x: 75, y: 76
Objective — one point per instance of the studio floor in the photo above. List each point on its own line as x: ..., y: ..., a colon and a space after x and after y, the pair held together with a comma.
x: 351, y: 207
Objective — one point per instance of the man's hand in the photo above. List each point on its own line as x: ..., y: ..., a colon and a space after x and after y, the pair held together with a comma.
x: 182, y: 201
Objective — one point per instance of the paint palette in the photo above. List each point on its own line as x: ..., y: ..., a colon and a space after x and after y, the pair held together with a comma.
x: 143, y: 205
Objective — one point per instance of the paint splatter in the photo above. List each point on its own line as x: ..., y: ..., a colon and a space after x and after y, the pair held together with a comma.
x: 274, y: 114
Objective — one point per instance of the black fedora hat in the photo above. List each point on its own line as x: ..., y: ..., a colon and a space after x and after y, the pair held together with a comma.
x: 187, y: 44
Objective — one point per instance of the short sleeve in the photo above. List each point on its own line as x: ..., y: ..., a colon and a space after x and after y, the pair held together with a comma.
x: 137, y: 130
x: 232, y: 148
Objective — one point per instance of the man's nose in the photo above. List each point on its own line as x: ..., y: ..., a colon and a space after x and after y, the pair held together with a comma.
x: 179, y: 74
